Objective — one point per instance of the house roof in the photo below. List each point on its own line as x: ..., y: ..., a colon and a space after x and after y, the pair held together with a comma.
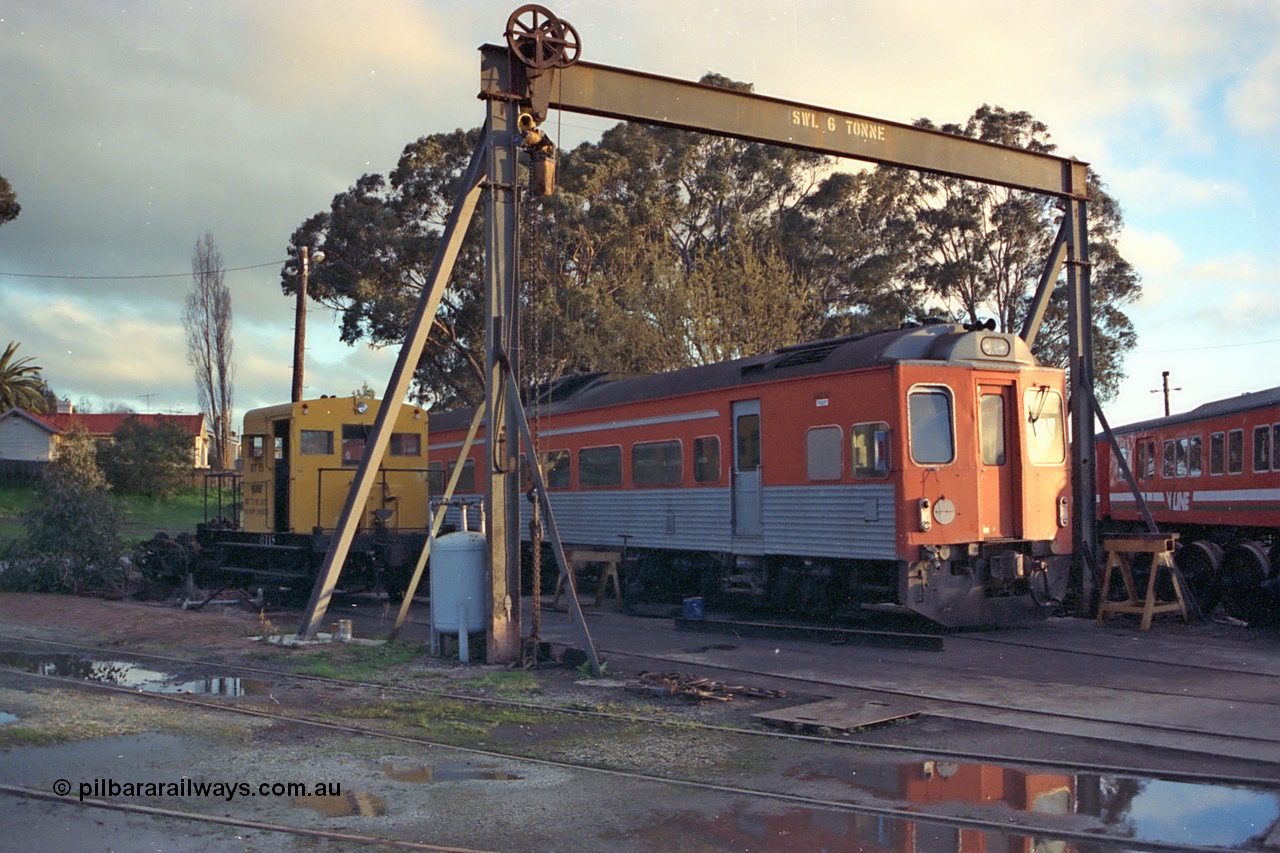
x: 107, y: 422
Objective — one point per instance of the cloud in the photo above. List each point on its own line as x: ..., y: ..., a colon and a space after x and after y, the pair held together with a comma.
x: 1253, y: 102
x: 1154, y: 186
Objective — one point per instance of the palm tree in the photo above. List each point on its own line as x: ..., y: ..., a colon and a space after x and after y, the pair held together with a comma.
x: 20, y: 382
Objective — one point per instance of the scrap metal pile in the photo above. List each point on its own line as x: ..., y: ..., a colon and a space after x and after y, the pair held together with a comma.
x: 674, y: 683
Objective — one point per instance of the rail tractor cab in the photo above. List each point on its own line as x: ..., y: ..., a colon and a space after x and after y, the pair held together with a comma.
x: 299, y: 461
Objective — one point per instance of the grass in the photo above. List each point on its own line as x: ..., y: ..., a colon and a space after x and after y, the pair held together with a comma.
x: 506, y: 684
x: 357, y: 663
x: 449, y: 718
x: 142, y: 517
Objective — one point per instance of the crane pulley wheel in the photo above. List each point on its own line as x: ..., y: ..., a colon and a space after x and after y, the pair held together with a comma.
x: 541, y: 40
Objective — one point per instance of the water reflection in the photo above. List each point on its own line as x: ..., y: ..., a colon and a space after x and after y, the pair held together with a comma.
x: 448, y: 772
x: 132, y: 675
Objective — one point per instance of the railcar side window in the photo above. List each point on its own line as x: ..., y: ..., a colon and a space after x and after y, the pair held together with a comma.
x: 435, y: 477
x: 929, y: 416
x: 405, y: 444
x: 600, y: 466
x: 1195, y: 456
x: 257, y: 446
x: 353, y: 438
x: 1170, y: 451
x: 706, y: 459
x: 1046, y: 427
x: 555, y: 468
x: 991, y: 428
x: 1217, y: 452
x: 1275, y: 447
x: 467, y: 481
x: 316, y: 442
x: 823, y: 452
x: 1261, y: 449
x: 870, y: 444
x: 1235, y: 451
x: 657, y: 463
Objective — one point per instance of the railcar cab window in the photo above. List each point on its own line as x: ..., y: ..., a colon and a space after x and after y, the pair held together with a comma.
x: 657, y: 463
x: 555, y: 468
x: 930, y: 425
x: 467, y: 481
x: 823, y: 452
x: 257, y: 446
x: 316, y: 442
x: 1217, y: 452
x: 1261, y: 449
x: 1235, y: 451
x: 600, y: 466
x: 405, y: 444
x: 706, y: 459
x: 1045, y: 427
x: 870, y: 445
x: 354, y: 437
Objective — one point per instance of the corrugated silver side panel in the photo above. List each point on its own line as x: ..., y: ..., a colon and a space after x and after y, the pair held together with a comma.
x: 844, y: 521
x: 684, y: 519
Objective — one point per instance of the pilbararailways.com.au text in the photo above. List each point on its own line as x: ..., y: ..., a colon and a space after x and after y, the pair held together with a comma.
x: 187, y: 787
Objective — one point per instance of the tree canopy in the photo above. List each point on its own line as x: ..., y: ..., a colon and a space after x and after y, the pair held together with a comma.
x: 21, y: 384
x: 9, y: 207
x: 664, y: 249
x: 206, y: 319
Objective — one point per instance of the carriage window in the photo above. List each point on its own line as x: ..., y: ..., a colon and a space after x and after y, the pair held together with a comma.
x: 316, y: 442
x: 1169, y: 454
x: 1045, y: 427
x: 929, y: 414
x: 600, y: 466
x: 657, y: 463
x: 1275, y: 447
x: 1235, y: 451
x: 405, y: 444
x: 1116, y: 473
x: 991, y: 428
x: 1195, y: 456
x: 870, y: 443
x: 748, y: 442
x: 706, y: 459
x: 466, y: 482
x: 1261, y: 449
x: 823, y: 451
x: 1217, y: 452
x: 435, y: 477
x: 354, y: 437
x: 257, y: 446
x: 555, y: 468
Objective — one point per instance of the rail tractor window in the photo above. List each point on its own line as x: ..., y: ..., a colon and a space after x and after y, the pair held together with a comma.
x: 405, y: 444
x: 466, y: 482
x: 1195, y: 456
x: 555, y: 468
x: 1261, y: 449
x: 1235, y: 451
x: 1045, y: 427
x: 929, y: 424
x: 823, y: 452
x: 991, y: 428
x: 870, y: 445
x: 316, y: 442
x: 354, y: 437
x: 1275, y: 447
x: 600, y: 466
x: 706, y: 459
x: 257, y: 446
x: 435, y: 478
x: 657, y: 463
x: 1217, y: 452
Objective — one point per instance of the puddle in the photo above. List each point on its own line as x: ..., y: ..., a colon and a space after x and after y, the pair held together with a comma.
x: 445, y: 773
x: 354, y: 804
x: 6, y: 717
x: 132, y: 675
x: 1143, y: 809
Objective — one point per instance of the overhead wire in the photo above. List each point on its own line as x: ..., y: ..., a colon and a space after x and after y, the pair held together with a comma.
x: 134, y: 277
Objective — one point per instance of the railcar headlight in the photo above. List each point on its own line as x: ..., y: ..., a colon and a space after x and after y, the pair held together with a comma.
x: 995, y: 347
x: 361, y: 407
x: 1064, y: 513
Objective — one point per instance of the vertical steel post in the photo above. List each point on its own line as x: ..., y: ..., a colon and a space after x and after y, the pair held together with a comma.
x: 502, y: 491
x: 1084, y: 484
x: 300, y: 322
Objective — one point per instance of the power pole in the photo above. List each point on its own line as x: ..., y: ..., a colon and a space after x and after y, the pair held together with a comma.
x: 300, y: 316
x: 1165, y: 383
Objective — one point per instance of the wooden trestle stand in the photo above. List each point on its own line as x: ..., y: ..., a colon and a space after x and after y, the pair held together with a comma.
x: 1120, y: 551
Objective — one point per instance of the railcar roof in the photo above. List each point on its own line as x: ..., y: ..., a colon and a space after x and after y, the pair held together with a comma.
x: 929, y: 342
x: 1232, y: 405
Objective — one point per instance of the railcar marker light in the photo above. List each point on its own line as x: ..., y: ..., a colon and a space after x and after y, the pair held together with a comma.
x: 926, y: 520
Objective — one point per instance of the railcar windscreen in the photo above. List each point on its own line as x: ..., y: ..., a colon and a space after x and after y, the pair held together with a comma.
x: 316, y: 442
x: 1046, y: 437
x: 929, y: 410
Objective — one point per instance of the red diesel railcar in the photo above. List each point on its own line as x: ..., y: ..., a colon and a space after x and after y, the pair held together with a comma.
x: 923, y: 469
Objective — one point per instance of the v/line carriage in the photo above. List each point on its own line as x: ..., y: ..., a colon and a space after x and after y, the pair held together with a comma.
x: 918, y: 470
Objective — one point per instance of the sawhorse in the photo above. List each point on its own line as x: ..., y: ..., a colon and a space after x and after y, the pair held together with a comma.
x: 608, y: 561
x: 1120, y: 551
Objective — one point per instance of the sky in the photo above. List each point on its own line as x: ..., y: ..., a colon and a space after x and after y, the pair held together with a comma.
x: 131, y: 128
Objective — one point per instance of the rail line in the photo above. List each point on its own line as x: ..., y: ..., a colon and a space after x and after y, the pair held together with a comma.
x: 965, y: 755
x: 1006, y: 826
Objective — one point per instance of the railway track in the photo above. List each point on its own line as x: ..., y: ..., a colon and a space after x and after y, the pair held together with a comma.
x: 1024, y: 824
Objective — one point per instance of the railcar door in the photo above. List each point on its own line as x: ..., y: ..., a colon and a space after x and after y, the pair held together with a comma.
x: 747, y: 486
x: 281, y: 461
x: 998, y: 457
